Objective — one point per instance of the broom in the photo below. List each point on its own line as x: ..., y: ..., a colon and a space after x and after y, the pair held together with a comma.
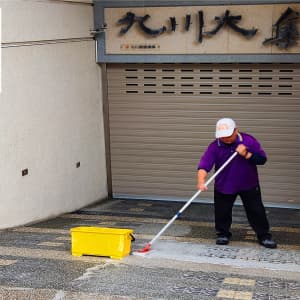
x: 147, y: 248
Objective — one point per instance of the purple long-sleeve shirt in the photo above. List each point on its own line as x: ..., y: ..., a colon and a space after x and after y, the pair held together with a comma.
x: 240, y: 174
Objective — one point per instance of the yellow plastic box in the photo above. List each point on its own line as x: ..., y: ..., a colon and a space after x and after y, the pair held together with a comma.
x: 100, y: 241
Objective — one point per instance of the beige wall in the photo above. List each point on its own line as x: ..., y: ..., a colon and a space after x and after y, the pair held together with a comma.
x: 50, y: 111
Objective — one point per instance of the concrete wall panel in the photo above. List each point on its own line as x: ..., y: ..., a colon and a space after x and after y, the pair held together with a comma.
x: 50, y: 119
x: 24, y: 21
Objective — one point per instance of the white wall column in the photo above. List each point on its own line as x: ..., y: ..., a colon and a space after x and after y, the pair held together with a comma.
x: 50, y: 111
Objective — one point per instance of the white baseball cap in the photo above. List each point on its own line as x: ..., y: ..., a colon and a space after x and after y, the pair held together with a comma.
x: 225, y: 127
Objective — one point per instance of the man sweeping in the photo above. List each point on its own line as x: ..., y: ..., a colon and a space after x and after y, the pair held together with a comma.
x: 239, y: 178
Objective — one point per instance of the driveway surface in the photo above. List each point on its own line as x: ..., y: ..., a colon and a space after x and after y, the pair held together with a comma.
x: 185, y: 263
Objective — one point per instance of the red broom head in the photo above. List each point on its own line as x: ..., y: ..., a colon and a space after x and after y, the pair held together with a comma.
x: 145, y: 249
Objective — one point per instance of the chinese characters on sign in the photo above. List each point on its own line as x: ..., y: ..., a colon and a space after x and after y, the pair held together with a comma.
x: 285, y: 30
x: 131, y: 18
x: 231, y: 22
x: 284, y: 34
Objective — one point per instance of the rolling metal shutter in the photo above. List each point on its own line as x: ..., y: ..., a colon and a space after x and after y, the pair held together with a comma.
x: 162, y: 117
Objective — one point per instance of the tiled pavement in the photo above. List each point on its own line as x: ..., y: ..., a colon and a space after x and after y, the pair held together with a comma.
x: 35, y: 260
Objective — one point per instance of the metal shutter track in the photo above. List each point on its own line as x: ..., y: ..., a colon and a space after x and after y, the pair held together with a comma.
x: 162, y: 117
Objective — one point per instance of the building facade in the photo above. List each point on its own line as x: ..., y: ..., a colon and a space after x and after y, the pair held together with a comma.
x: 173, y: 68
x: 118, y: 99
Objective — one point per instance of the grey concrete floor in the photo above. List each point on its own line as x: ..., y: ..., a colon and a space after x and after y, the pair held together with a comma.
x: 185, y: 263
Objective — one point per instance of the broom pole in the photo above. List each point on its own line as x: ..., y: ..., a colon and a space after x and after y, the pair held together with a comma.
x: 191, y: 200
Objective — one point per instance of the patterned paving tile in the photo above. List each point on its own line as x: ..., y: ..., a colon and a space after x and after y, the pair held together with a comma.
x: 136, y: 209
x: 145, y: 204
x: 63, y: 238
x: 50, y: 244
x: 237, y: 295
x: 7, y: 262
x: 239, y: 281
x: 107, y: 223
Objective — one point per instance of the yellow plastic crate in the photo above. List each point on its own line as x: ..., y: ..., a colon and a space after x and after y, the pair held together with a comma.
x: 101, y: 241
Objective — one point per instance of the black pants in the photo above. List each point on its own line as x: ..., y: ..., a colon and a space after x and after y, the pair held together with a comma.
x: 254, y: 208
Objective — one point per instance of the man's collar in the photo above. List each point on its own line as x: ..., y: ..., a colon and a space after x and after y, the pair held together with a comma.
x: 240, y: 137
x: 238, y: 140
